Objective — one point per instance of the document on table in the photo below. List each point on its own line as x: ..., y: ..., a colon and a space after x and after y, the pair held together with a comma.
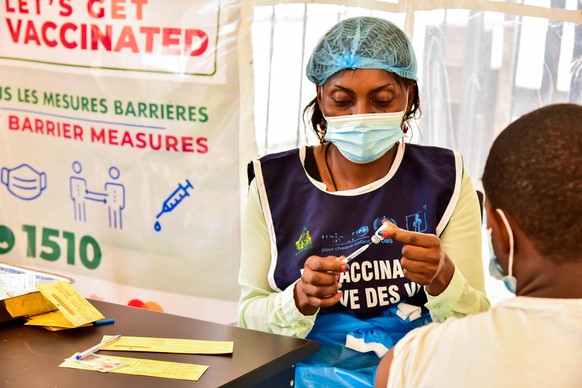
x: 55, y: 320
x: 14, y: 284
x: 74, y: 307
x: 144, y: 367
x: 170, y: 345
x: 15, y: 280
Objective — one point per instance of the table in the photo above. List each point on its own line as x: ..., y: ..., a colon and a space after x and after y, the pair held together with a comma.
x: 29, y: 355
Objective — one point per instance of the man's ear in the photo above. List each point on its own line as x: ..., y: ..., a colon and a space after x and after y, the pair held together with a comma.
x: 499, y: 232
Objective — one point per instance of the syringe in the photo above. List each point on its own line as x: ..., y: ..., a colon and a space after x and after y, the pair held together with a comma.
x: 376, y: 238
x: 175, y: 198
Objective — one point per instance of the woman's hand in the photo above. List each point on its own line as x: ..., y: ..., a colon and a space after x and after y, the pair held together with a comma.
x: 424, y: 259
x: 318, y: 286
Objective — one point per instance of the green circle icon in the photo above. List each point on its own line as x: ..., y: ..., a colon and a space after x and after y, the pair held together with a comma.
x: 6, y: 239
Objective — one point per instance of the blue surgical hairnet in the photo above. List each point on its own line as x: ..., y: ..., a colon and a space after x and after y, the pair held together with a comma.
x: 362, y: 43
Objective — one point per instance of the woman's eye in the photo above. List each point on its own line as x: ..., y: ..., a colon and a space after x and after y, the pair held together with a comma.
x: 342, y: 102
x: 382, y: 102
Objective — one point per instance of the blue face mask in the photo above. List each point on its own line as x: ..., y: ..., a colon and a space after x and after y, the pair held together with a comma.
x: 366, y: 137
x: 23, y: 181
x: 495, y: 269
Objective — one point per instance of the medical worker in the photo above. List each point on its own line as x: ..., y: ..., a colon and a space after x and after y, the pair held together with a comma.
x: 309, y: 208
x: 533, y: 190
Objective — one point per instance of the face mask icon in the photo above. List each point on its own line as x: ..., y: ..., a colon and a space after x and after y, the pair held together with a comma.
x: 23, y: 181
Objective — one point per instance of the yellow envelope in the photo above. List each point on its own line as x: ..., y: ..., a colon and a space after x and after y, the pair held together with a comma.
x: 28, y: 304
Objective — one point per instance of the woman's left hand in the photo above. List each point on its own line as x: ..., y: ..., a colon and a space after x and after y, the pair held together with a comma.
x: 424, y: 259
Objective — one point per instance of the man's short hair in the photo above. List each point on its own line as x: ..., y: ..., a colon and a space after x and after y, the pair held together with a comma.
x: 534, y: 173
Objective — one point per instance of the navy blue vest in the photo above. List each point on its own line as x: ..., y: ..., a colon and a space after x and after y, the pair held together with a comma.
x: 305, y: 221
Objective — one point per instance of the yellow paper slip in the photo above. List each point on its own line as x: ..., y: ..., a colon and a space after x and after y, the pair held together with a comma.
x: 53, y: 319
x: 152, y: 368
x: 74, y: 307
x: 169, y: 345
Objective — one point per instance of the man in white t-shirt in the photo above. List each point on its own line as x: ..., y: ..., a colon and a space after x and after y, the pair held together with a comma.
x: 533, y: 187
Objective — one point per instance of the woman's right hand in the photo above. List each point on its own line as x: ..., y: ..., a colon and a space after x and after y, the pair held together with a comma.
x: 319, y: 286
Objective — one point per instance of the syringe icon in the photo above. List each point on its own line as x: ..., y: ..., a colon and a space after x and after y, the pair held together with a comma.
x: 173, y: 200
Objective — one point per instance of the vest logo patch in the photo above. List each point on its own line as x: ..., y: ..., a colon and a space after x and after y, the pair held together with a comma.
x: 417, y: 222
x: 304, y: 241
x: 338, y: 242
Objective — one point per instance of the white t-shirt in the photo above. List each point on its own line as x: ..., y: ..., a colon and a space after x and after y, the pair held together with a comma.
x: 523, y: 342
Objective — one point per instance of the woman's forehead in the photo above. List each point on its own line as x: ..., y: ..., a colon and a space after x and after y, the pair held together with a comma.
x: 362, y: 78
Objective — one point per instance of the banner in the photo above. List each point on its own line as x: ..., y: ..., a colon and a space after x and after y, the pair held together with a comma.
x: 119, y: 157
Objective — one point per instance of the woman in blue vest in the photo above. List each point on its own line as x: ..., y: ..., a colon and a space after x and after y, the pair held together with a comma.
x: 309, y: 208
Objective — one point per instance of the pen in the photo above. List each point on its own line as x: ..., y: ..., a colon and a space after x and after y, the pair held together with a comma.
x: 103, y: 322
x: 95, y: 348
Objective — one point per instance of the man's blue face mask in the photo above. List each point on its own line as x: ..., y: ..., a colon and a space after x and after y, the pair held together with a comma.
x: 495, y: 268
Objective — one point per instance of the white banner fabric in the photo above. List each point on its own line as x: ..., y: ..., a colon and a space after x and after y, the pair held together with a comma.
x: 119, y: 146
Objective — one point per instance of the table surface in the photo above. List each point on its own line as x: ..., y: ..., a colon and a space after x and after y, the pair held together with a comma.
x: 30, y: 356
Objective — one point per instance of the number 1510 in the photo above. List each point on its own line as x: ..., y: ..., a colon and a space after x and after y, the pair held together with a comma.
x: 51, y: 249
